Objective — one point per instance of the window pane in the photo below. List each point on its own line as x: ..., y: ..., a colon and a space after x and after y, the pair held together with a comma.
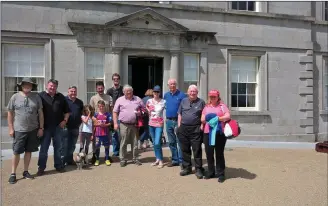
x: 234, y: 87
x: 243, y: 76
x: 242, y: 88
x: 37, y: 69
x: 91, y: 86
x: 37, y: 54
x: 234, y: 76
x: 187, y: 84
x: 241, y: 100
x: 250, y: 101
x: 234, y: 5
x: 11, y: 52
x: 24, y: 69
x: 24, y: 54
x: 234, y: 101
x: 94, y: 64
x: 190, y: 67
x: 11, y: 83
x: 251, y: 88
x: 242, y: 5
x: 250, y: 6
x: 10, y: 69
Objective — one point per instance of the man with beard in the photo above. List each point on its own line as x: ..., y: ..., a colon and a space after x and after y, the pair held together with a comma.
x: 25, y: 121
x: 115, y: 92
x: 189, y: 131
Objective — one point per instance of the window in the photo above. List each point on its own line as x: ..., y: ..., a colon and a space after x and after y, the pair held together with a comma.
x: 22, y: 61
x: 326, y: 10
x: 243, y: 5
x: 325, y: 83
x: 94, y: 66
x: 191, y: 67
x: 244, y: 82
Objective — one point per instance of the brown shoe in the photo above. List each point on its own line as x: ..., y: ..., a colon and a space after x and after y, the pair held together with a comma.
x: 40, y: 172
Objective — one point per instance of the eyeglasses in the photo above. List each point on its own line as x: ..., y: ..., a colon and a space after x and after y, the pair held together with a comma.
x: 155, y: 91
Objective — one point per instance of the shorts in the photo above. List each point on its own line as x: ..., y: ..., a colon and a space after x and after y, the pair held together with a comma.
x: 26, y: 142
x: 102, y: 140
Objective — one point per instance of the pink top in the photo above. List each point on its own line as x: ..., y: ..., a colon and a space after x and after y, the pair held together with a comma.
x: 156, y: 112
x: 126, y: 109
x: 225, y: 114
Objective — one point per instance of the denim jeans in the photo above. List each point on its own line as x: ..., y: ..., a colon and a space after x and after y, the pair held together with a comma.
x: 115, y: 143
x: 145, y: 135
x: 156, y: 135
x: 57, y: 135
x: 173, y: 141
x: 70, y: 139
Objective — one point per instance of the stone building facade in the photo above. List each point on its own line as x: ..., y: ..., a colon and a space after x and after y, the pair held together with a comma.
x: 268, y: 59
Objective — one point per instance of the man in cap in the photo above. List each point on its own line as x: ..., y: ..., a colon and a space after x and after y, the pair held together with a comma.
x: 25, y: 121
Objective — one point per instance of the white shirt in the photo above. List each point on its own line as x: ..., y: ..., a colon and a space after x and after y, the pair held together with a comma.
x: 87, y: 127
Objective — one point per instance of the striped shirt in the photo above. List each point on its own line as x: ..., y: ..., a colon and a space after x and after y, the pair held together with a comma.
x: 105, y: 119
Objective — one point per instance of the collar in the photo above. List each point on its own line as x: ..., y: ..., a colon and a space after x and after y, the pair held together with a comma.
x: 176, y: 91
x: 193, y: 101
x: 133, y: 97
x: 119, y: 86
x: 67, y: 97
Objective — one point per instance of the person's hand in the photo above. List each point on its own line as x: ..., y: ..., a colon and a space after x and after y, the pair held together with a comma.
x: 11, y: 132
x: 201, y: 127
x: 62, y: 124
x: 40, y: 132
x: 115, y: 126
x: 91, y: 138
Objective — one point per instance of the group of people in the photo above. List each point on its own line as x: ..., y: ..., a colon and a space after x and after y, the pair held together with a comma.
x: 117, y: 118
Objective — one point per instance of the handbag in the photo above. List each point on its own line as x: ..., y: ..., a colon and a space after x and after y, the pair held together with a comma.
x: 231, y: 128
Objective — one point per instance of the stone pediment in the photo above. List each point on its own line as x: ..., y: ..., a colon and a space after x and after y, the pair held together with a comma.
x: 146, y: 19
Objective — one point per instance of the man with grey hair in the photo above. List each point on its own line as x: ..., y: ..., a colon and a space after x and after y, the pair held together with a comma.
x: 125, y: 111
x: 173, y: 99
x: 189, y: 131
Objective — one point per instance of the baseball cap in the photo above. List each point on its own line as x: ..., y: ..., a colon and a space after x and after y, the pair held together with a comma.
x: 214, y: 93
x: 157, y: 88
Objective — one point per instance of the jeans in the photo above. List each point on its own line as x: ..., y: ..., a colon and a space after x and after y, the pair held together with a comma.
x: 156, y: 135
x: 145, y: 134
x: 57, y: 135
x: 70, y: 139
x: 173, y: 141
x: 115, y: 143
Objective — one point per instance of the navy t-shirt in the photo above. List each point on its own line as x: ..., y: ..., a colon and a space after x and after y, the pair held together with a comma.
x: 76, y: 107
x: 173, y: 102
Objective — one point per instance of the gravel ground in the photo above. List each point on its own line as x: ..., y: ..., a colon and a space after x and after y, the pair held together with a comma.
x: 254, y: 177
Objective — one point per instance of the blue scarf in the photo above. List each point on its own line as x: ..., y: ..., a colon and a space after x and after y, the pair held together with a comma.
x: 214, y: 126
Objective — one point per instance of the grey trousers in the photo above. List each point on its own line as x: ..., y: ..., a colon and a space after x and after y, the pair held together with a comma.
x: 128, y: 136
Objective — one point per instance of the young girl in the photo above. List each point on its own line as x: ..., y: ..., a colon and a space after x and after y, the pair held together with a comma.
x: 102, y: 121
x: 87, y: 128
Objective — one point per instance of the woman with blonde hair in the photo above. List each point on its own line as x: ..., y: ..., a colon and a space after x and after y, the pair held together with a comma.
x: 144, y: 131
x: 213, y: 117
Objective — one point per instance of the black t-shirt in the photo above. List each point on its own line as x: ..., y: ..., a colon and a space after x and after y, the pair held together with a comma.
x: 54, y: 108
x: 115, y: 93
x: 191, y: 111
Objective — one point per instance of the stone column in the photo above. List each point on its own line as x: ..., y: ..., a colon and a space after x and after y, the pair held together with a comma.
x: 203, y: 84
x: 116, y: 60
x: 174, y: 70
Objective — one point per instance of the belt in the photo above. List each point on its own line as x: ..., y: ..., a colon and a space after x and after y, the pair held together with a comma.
x: 172, y: 118
x: 127, y: 123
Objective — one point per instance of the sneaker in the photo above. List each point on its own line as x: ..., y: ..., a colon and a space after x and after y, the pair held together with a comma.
x: 97, y: 163
x: 27, y: 175
x: 185, y: 172
x: 137, y: 162
x: 221, y: 179
x: 12, y: 179
x: 199, y: 174
x: 209, y: 175
x: 108, y: 163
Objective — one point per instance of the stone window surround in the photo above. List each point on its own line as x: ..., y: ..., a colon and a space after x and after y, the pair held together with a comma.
x: 323, y: 109
x: 262, y: 108
x: 46, y: 42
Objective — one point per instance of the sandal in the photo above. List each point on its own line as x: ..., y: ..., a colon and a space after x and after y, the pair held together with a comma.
x: 154, y: 163
x: 160, y: 166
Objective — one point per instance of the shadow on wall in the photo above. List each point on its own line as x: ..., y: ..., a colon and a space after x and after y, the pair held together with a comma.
x: 324, y: 118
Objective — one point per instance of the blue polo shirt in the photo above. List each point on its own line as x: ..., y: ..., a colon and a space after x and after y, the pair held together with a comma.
x: 76, y: 107
x: 173, y: 102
